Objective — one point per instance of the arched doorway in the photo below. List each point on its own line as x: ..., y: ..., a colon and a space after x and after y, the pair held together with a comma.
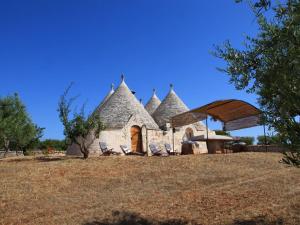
x: 136, y: 139
x: 189, y: 134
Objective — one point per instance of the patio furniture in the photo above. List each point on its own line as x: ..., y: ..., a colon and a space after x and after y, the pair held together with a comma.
x: 215, y: 143
x: 170, y: 150
x: 128, y: 151
x: 190, y: 147
x: 156, y: 151
x: 107, y: 151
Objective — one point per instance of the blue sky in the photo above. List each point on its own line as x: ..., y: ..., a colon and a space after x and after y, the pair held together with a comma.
x: 45, y: 45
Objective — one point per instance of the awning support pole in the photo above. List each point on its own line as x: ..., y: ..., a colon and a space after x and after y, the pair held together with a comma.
x: 224, y: 129
x: 206, y: 122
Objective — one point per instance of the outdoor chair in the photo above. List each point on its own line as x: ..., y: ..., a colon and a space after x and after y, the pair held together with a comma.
x: 156, y: 151
x: 106, y: 151
x: 170, y: 150
x: 128, y: 151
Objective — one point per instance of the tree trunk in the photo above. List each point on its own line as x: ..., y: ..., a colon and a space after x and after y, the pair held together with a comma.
x: 85, y: 151
x: 85, y: 154
x: 6, y: 146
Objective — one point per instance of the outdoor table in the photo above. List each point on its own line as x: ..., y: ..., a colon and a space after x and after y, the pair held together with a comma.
x: 215, y: 143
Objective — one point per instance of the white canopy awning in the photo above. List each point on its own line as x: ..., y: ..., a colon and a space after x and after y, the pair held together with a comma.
x: 235, y: 114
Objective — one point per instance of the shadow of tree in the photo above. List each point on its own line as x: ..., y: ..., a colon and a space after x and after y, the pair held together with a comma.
x: 48, y: 159
x: 16, y: 159
x: 39, y: 159
x: 127, y: 218
x: 261, y: 220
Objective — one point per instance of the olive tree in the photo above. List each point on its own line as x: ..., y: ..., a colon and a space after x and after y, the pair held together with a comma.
x: 269, y: 65
x: 17, y: 131
x: 79, y: 128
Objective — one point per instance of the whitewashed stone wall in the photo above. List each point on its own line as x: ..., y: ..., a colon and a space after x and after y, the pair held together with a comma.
x: 162, y: 137
x: 116, y: 137
x: 113, y: 138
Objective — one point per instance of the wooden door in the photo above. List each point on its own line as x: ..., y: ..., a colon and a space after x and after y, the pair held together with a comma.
x: 136, y: 139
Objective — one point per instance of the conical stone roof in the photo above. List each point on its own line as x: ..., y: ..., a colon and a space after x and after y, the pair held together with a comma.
x: 121, y: 106
x: 171, y: 106
x: 112, y: 90
x: 153, y: 103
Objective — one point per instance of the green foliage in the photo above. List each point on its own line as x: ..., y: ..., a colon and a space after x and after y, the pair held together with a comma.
x: 247, y: 140
x: 80, y: 129
x: 258, y: 5
x: 291, y: 158
x: 58, y: 145
x: 17, y: 131
x: 269, y: 66
x: 222, y: 132
x: 271, y: 140
x: 29, y: 152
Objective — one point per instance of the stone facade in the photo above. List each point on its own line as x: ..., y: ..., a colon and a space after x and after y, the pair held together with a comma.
x: 114, y: 138
x: 162, y: 137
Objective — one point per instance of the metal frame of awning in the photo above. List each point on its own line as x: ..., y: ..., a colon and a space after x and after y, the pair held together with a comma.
x: 234, y: 114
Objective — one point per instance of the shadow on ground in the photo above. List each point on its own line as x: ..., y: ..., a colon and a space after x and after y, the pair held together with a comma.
x: 127, y: 218
x: 49, y: 159
x: 15, y: 159
x: 259, y: 221
x: 39, y: 159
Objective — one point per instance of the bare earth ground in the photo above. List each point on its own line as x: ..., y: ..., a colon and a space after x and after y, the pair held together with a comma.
x: 233, y: 189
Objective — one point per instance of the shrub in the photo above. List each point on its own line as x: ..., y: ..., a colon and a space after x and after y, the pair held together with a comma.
x: 271, y: 140
x: 58, y: 145
x: 247, y: 140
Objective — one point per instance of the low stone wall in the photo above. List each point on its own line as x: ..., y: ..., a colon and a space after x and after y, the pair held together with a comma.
x: 264, y: 148
x: 4, y: 154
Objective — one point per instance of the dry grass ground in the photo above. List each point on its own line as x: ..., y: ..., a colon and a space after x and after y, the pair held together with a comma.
x: 240, y: 189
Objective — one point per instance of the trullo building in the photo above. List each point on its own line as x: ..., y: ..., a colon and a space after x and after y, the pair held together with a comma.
x: 153, y: 103
x: 128, y: 122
